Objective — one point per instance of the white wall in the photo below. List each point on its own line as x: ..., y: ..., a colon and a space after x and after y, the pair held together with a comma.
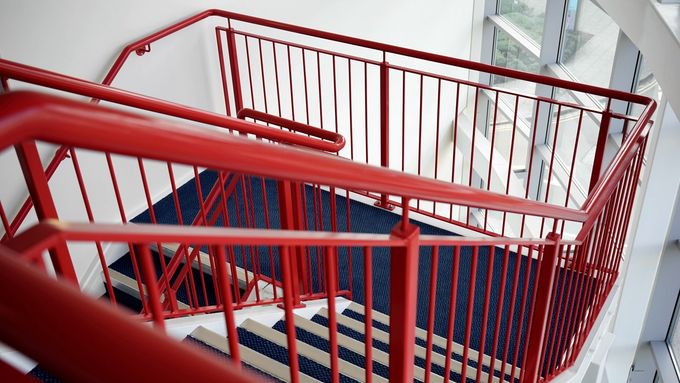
x: 82, y: 38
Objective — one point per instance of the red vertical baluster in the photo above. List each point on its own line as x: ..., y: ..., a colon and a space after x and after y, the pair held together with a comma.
x: 264, y: 86
x: 499, y: 313
x: 318, y: 80
x: 250, y: 72
x: 290, y: 84
x: 90, y: 218
x: 511, y: 313
x: 470, y: 310
x: 571, y: 168
x: 552, y: 161
x: 436, y: 139
x: 455, y: 144
x: 123, y: 219
x: 532, y: 143
x: 223, y: 282
x: 485, y: 310
x: 304, y: 75
x: 368, y: 313
x: 223, y: 72
x: 289, y: 297
x: 512, y: 149
x: 235, y: 73
x: 431, y: 311
x: 493, y: 141
x: 366, y: 109
x: 276, y: 76
x: 420, y: 132
x: 452, y: 312
x: 472, y: 150
x: 331, y: 282
x: 522, y: 312
x: 152, y: 215
x: 349, y: 91
x: 149, y: 274
x: 403, y: 119
x: 232, y: 260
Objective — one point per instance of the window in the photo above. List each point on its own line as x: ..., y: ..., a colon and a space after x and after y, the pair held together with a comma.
x: 646, y: 86
x: 510, y: 54
x: 566, y: 140
x: 527, y: 15
x: 589, y: 42
x: 673, y: 338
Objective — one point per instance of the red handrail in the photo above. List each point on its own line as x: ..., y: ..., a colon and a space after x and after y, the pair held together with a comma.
x: 108, y: 130
x: 119, y: 348
x: 327, y: 141
x: 141, y: 44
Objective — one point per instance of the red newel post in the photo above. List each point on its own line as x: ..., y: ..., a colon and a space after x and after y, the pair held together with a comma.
x: 384, y: 127
x: 540, y: 322
x: 403, y: 297
x: 287, y: 212
x: 36, y: 181
x: 600, y: 148
x: 235, y: 75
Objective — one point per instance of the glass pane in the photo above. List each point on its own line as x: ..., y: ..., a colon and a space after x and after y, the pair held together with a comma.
x: 527, y: 15
x: 590, y: 42
x: 510, y: 54
x: 567, y: 143
x: 646, y: 86
x: 673, y: 339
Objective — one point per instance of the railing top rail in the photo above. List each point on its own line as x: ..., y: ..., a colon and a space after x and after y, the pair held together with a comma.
x: 45, y: 234
x: 382, y: 47
x: 102, y: 129
x: 320, y: 139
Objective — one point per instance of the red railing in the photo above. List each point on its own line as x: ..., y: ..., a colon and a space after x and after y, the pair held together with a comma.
x: 553, y: 288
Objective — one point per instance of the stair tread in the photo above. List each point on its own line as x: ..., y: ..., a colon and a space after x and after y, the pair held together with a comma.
x: 438, y: 360
x: 347, y: 370
x: 437, y: 340
x: 250, y: 357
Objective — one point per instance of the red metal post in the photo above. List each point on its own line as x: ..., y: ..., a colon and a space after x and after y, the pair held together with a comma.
x: 233, y: 65
x: 227, y: 303
x: 287, y: 212
x: 384, y: 127
x: 150, y: 280
x: 36, y: 182
x: 403, y: 297
x: 600, y: 148
x: 540, y: 322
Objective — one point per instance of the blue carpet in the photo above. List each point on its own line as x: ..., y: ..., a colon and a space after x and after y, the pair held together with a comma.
x: 221, y: 354
x: 263, y: 197
x: 324, y: 345
x: 280, y: 354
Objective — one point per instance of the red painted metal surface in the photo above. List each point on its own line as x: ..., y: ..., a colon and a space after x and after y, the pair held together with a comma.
x: 474, y: 197
x: 83, y: 321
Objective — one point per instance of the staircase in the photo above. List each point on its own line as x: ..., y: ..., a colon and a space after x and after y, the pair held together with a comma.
x: 279, y: 252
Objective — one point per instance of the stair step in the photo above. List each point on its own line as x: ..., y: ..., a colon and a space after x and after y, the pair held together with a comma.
x: 348, y: 371
x: 438, y: 360
x: 129, y: 286
x: 322, y: 343
x: 380, y: 357
x: 249, y: 357
x: 438, y: 342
